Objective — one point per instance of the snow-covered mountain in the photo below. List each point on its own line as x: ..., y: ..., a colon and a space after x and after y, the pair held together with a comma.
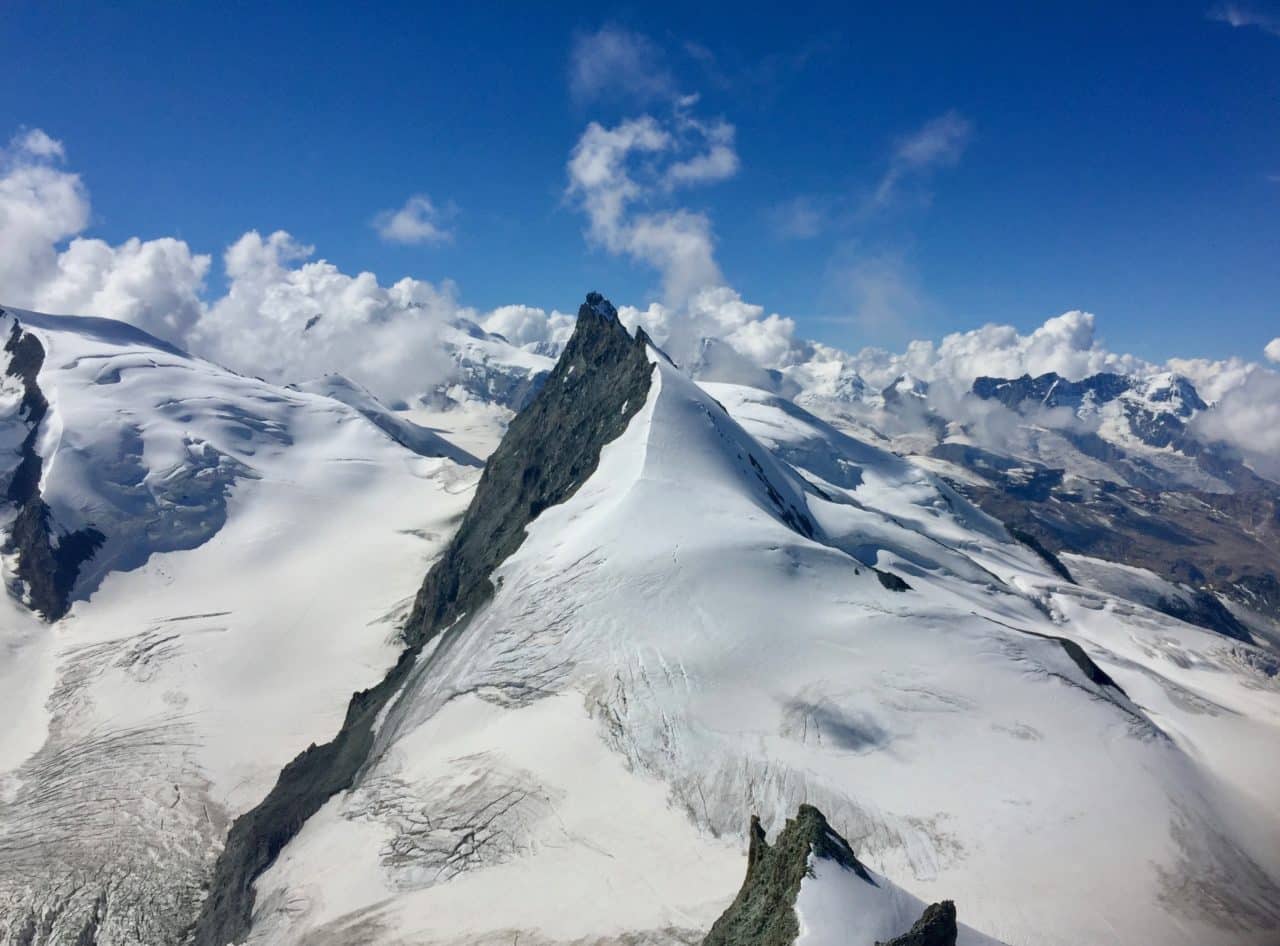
x: 122, y: 446
x: 1113, y: 467
x: 669, y: 607
x: 486, y: 368
x: 735, y: 609
x: 256, y: 547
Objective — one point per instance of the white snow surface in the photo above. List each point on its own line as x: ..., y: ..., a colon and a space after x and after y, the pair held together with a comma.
x: 667, y: 654
x: 262, y: 546
x: 836, y: 907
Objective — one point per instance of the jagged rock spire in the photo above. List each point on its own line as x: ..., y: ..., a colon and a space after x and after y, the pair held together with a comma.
x: 763, y: 913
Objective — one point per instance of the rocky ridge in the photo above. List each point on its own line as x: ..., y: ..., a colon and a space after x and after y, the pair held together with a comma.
x: 600, y: 381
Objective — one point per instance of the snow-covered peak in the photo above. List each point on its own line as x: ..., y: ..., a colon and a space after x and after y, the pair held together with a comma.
x: 1166, y: 391
x: 701, y: 631
x: 905, y: 385
x: 141, y: 447
x: 600, y: 307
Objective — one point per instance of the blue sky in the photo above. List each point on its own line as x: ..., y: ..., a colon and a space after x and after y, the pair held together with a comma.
x: 1126, y: 162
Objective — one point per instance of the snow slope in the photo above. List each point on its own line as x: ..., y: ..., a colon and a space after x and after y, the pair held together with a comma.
x: 262, y: 545
x: 703, y: 632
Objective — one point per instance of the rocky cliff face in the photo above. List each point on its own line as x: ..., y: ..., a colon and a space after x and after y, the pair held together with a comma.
x: 601, y: 380
x: 763, y: 913
x: 551, y: 447
x: 47, y: 564
x: 936, y: 927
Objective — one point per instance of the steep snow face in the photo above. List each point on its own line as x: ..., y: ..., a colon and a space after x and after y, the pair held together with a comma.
x: 262, y: 547
x: 698, y: 634
x: 421, y: 440
x: 837, y: 907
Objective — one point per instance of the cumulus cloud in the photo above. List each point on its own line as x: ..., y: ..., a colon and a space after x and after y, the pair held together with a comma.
x: 1247, y: 417
x: 40, y: 206
x: 617, y: 173
x: 530, y: 327
x: 767, y: 342
x: 385, y: 337
x: 154, y: 284
x: 285, y: 316
x: 1212, y: 377
x: 938, y: 143
x: 1272, y: 350
x: 418, y: 221
x: 616, y: 63
x: 1238, y: 15
x: 1065, y: 344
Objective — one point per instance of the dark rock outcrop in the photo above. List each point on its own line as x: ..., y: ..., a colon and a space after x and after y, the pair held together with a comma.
x: 1031, y: 542
x: 551, y: 447
x: 891, y: 581
x: 763, y: 913
x: 936, y: 927
x: 47, y: 564
x: 601, y: 380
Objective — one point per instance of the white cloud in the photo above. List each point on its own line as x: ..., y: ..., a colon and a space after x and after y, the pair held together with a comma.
x: 418, y: 221
x: 289, y: 317
x: 718, y: 163
x: 598, y: 172
x: 1065, y: 344
x: 530, y: 327
x: 613, y: 170
x: 938, y: 143
x: 1239, y: 15
x: 1213, y: 378
x: 385, y: 337
x: 617, y: 63
x: 719, y: 312
x: 38, y: 143
x: 40, y: 206
x: 154, y: 284
x: 1248, y: 418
